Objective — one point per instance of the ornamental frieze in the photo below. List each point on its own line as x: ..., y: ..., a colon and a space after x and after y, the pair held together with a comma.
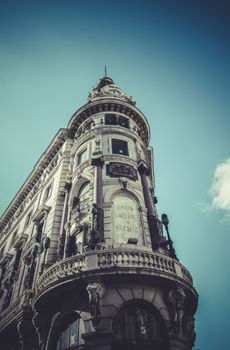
x: 121, y: 170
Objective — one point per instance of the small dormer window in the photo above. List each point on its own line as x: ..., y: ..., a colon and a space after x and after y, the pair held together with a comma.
x: 120, y: 147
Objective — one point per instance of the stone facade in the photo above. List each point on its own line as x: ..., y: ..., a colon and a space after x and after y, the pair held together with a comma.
x: 84, y: 261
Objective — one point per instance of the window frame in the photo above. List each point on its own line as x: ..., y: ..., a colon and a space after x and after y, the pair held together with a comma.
x: 125, y: 143
x: 28, y: 219
x: 79, y: 154
x: 117, y: 119
x: 66, y: 327
x: 47, y: 192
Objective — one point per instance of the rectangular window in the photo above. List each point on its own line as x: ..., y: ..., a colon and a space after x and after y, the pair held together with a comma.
x: 110, y: 119
x: 120, y: 147
x: 122, y: 121
x: 47, y: 193
x: 13, y: 238
x: 28, y: 219
x: 82, y: 157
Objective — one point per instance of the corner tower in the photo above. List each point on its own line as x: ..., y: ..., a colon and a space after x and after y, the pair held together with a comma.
x: 101, y: 274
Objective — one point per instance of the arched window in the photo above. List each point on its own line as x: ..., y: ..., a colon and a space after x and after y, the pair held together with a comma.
x: 81, y: 201
x: 137, y: 326
x: 68, y: 336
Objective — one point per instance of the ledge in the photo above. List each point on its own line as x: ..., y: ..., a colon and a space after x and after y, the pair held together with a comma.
x: 11, y: 311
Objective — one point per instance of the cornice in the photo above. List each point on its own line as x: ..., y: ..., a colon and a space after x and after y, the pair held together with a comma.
x: 34, y: 177
x: 110, y: 105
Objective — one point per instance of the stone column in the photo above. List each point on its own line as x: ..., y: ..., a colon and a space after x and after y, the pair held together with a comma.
x: 156, y: 236
x: 26, y: 331
x: 97, y: 162
x: 62, y: 236
x: 42, y: 323
x: 67, y: 239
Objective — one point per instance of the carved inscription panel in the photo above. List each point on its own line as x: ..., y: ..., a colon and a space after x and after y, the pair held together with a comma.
x: 114, y: 169
x: 126, y: 219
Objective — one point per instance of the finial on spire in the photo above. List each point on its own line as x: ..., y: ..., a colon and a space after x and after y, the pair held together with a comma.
x: 105, y: 71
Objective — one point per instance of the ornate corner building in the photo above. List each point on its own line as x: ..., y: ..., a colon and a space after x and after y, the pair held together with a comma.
x: 85, y: 263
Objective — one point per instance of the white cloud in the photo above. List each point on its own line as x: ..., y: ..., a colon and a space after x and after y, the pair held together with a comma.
x: 220, y: 187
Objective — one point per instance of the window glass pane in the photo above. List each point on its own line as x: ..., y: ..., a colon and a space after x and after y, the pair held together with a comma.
x: 28, y: 218
x: 124, y: 122
x: 70, y: 337
x: 82, y: 157
x: 73, y: 333
x: 79, y: 240
x: 120, y: 147
x: 83, y: 196
x: 65, y: 339
x: 13, y: 239
x: 137, y: 323
x: 47, y: 193
x: 110, y: 119
x: 81, y: 331
x: 58, y: 344
x: 130, y: 325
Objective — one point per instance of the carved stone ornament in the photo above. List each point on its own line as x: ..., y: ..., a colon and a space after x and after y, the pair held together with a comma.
x: 176, y: 298
x: 96, y: 290
x: 110, y: 90
x: 142, y: 322
x: 190, y: 329
x: 121, y: 170
x: 29, y: 294
x: 124, y: 182
x: 97, y: 160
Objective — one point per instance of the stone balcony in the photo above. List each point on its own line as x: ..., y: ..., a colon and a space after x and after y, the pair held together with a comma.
x: 101, y: 263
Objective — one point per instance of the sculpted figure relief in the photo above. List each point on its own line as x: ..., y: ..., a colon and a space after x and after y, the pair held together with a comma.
x: 176, y: 298
x: 190, y: 328
x: 142, y: 322
x: 96, y: 290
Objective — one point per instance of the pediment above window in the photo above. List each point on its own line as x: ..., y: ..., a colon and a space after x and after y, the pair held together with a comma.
x: 20, y: 240
x: 6, y: 258
x: 41, y: 213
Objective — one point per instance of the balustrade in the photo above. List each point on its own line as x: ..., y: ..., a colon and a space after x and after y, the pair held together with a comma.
x: 111, y: 259
x: 104, y: 259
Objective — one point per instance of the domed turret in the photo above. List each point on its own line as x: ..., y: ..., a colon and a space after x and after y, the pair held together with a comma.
x: 107, y: 88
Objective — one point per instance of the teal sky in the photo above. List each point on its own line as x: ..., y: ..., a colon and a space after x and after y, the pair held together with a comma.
x: 173, y: 57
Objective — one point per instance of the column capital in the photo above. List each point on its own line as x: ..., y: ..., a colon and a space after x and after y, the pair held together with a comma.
x: 143, y: 170
x: 67, y: 186
x: 97, y: 160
